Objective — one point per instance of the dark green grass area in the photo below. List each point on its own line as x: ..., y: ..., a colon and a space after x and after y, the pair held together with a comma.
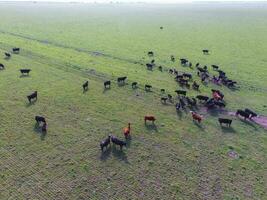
x: 67, y: 44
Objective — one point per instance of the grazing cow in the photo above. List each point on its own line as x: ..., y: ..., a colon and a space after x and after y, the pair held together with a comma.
x: 162, y: 91
x: 184, y: 82
x: 205, y: 51
x: 231, y: 83
x: 251, y: 113
x: 150, y: 53
x: 107, y: 84
x: 16, y: 50
x: 160, y: 68
x: 195, y: 85
x: 180, y: 92
x: 172, y: 58
x: 134, y: 85
x: 215, y: 67
x: 242, y: 113
x: 171, y: 71
x: 182, y: 103
x: 127, y: 130
x: 177, y: 106
x: 183, y: 61
x: 202, y: 98
x: 32, y: 96
x: 187, y: 75
x: 121, y: 79
x: 201, y: 70
x: 196, y: 116
x: 219, y: 103
x: 191, y: 102
x: 40, y: 119
x: 170, y: 97
x: 225, y: 121
x: 149, y: 118
x: 8, y: 55
x: 148, y: 87
x: 149, y: 66
x: 163, y: 100
x: 153, y: 61
x: 25, y: 71
x: 2, y: 66
x: 104, y: 143
x: 178, y: 77
x: 190, y: 64
x: 118, y: 142
x: 85, y: 86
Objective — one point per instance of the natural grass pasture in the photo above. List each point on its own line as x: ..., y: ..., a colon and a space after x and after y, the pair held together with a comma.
x: 67, y: 44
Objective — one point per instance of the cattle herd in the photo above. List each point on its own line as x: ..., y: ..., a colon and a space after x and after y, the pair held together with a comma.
x: 181, y: 101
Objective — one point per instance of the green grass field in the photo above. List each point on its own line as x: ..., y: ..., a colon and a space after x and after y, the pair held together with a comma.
x: 67, y: 44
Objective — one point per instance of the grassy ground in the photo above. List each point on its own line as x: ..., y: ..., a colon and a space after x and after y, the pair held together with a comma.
x: 67, y: 44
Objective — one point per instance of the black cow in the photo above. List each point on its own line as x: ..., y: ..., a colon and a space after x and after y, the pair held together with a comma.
x: 122, y: 79
x: 205, y: 51
x: 150, y: 53
x: 25, y: 71
x: 163, y: 99
x: 171, y: 71
x: 118, y: 142
x: 40, y: 119
x: 104, y: 143
x: 191, y: 102
x: 183, y: 61
x: 225, y: 121
x: 134, y: 85
x: 160, y: 68
x: 8, y: 55
x: 177, y: 106
x: 85, y: 86
x: 149, y: 66
x: 170, y: 97
x: 187, y: 75
x: 197, y: 65
x: 162, y: 91
x: 16, y: 50
x: 32, y: 96
x: 195, y: 86
x: 202, y: 70
x: 215, y: 67
x: 148, y: 87
x: 172, y: 58
x: 251, y: 113
x: 182, y: 103
x: 219, y: 103
x: 181, y: 92
x: 2, y: 66
x: 242, y: 113
x: 107, y: 84
x: 202, y: 98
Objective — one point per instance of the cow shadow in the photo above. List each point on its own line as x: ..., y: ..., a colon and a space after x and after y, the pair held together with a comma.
x: 151, y: 127
x: 199, y: 125
x: 106, y: 89
x: 7, y: 58
x: 128, y: 141
x: 85, y: 91
x: 30, y: 103
x: 250, y: 123
x: 119, y: 154
x: 105, y: 154
x: 38, y: 130
x: 24, y: 76
x: 121, y: 84
x: 179, y: 114
x: 226, y: 129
